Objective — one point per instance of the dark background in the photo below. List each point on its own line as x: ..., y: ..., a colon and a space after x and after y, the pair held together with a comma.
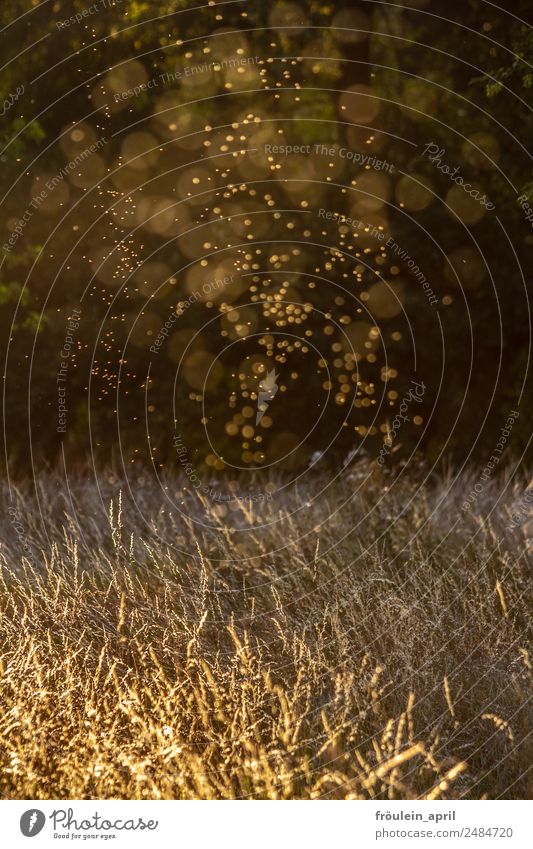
x: 453, y: 73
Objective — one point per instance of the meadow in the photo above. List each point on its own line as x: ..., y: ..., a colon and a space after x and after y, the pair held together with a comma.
x: 367, y: 641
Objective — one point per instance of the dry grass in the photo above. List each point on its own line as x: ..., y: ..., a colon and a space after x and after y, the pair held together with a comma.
x: 373, y: 644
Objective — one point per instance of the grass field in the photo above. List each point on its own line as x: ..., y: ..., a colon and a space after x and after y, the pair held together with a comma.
x: 368, y: 641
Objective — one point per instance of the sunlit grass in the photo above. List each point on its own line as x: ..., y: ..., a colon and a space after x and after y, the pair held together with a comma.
x: 380, y: 654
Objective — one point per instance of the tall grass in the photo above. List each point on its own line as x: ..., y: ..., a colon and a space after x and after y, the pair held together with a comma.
x: 368, y: 643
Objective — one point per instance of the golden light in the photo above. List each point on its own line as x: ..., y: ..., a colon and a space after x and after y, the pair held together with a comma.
x: 284, y: 14
x: 385, y: 300
x: 372, y: 191
x: 482, y: 150
x: 359, y: 104
x: 144, y: 328
x: 202, y: 371
x: 468, y: 209
x: 140, y: 150
x: 414, y: 192
x: 350, y: 26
